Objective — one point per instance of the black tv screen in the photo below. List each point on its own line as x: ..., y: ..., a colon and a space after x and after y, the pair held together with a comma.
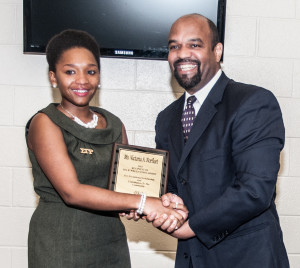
x: 123, y: 28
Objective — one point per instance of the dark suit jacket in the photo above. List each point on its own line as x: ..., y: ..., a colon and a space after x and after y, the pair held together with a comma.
x: 226, y: 174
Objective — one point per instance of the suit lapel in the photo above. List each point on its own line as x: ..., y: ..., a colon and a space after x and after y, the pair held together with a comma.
x: 176, y: 134
x: 204, y: 116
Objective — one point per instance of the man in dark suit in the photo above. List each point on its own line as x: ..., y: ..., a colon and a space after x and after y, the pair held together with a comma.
x: 224, y: 166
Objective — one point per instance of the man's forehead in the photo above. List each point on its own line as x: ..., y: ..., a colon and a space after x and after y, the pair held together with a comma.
x: 186, y: 20
x: 189, y: 32
x: 189, y: 25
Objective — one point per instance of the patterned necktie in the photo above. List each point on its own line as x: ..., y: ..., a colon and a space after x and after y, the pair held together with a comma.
x: 188, y: 117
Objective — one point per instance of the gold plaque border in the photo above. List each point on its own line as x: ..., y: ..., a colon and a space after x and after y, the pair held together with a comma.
x: 114, y: 164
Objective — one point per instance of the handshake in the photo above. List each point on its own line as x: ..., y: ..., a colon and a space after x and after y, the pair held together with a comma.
x: 167, y: 213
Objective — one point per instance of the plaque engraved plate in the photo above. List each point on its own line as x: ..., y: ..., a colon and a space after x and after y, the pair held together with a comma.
x: 136, y: 169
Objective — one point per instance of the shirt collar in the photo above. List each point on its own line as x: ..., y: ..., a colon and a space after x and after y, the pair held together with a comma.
x: 203, y: 92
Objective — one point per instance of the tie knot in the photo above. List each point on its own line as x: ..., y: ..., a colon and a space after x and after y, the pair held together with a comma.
x: 191, y: 99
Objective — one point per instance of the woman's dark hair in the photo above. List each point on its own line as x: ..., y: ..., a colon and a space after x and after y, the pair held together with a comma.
x: 67, y: 39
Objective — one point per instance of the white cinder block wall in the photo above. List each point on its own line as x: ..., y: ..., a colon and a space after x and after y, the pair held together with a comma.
x: 261, y: 47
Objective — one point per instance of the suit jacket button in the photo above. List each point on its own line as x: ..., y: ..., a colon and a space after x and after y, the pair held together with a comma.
x: 183, y: 181
x: 185, y: 255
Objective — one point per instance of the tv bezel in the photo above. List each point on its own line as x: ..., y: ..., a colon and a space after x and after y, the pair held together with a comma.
x: 113, y: 52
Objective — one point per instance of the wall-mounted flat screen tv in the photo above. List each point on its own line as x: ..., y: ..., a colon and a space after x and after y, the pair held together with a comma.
x: 123, y: 28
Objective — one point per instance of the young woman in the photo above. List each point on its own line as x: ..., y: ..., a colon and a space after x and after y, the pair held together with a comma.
x: 76, y: 223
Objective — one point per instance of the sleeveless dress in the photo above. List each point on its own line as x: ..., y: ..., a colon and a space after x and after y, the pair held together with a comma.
x: 61, y: 236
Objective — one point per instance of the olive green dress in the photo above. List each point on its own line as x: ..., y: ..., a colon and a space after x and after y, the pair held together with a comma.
x: 61, y: 236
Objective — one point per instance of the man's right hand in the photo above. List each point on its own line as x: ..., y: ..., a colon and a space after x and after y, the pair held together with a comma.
x: 163, y: 221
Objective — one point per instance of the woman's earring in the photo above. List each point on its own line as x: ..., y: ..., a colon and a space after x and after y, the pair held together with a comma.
x: 54, y: 86
x: 99, y: 86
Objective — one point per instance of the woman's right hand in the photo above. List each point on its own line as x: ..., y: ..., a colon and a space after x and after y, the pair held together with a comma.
x: 172, y: 218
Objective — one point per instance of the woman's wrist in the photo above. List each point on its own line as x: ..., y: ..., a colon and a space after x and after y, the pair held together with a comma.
x: 142, y: 203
